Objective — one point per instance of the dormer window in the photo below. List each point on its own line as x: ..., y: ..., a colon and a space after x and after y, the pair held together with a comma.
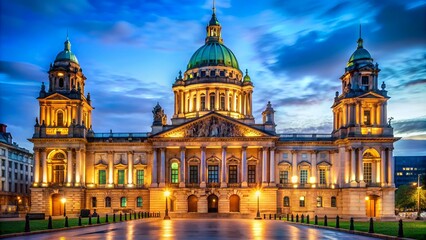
x: 367, y: 117
x: 61, y: 82
x: 365, y: 83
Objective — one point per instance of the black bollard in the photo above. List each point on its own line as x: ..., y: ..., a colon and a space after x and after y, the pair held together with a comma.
x: 371, y: 228
x: 90, y: 220
x: 270, y: 216
x: 307, y: 219
x: 316, y: 220
x: 49, y: 223
x: 134, y: 215
x: 302, y: 219
x: 288, y: 215
x: 292, y: 219
x: 139, y: 215
x: 98, y: 220
x: 325, y: 221
x: 280, y: 217
x: 130, y: 216
x: 113, y: 217
x: 337, y: 221
x: 27, y: 223
x: 66, y: 221
x: 125, y: 216
x: 297, y: 217
x: 275, y: 216
x: 79, y: 220
x: 121, y: 217
x: 400, y: 229
x: 143, y: 213
x: 351, y: 226
x: 106, y: 218
x: 264, y: 216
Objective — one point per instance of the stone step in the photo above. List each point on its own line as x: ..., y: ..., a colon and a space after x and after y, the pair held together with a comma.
x: 212, y: 215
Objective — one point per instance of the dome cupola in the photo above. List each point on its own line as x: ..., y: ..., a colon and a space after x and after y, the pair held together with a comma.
x: 66, y: 54
x: 360, y: 54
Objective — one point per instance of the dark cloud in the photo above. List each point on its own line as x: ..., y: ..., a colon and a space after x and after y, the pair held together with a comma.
x: 324, y: 127
x: 22, y: 72
x: 416, y: 82
x: 415, y: 125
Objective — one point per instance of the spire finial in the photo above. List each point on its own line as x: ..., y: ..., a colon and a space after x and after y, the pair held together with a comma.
x: 67, y: 35
x: 214, y: 8
x: 360, y: 30
x: 360, y: 41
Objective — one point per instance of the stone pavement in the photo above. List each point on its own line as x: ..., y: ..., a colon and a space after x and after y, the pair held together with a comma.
x: 197, y: 229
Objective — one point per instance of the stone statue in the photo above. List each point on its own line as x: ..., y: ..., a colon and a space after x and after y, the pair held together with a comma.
x: 389, y: 121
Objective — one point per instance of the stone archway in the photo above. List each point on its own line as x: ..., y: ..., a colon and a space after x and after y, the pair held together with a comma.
x: 234, y: 203
x: 213, y: 203
x: 371, y: 205
x: 192, y: 203
x: 56, y: 205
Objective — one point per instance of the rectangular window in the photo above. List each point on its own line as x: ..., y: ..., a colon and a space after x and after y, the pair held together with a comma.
x: 283, y: 177
x: 367, y: 172
x: 303, y: 176
x: 139, y: 202
x: 120, y: 176
x: 252, y: 173
x: 123, y: 202
x: 213, y: 173
x: 175, y: 175
x: 302, y: 201
x: 319, y: 201
x: 367, y: 117
x: 286, y: 201
x: 364, y: 80
x: 212, y: 102
x: 107, y: 202
x: 202, y: 103
x: 193, y: 174
x: 233, y: 173
x: 322, y: 179
x: 94, y: 202
x: 102, y: 176
x: 222, y: 102
x: 139, y: 177
x: 333, y: 202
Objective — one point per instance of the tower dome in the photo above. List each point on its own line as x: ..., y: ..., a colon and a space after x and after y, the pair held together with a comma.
x: 360, y: 54
x: 66, y: 54
x: 213, y: 54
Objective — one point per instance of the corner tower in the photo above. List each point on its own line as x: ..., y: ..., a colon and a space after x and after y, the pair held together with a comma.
x: 361, y: 107
x: 213, y: 81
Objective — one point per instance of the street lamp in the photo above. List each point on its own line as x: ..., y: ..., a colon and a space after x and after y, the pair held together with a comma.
x: 167, y: 194
x: 64, y: 200
x: 258, y: 212
x: 418, y: 197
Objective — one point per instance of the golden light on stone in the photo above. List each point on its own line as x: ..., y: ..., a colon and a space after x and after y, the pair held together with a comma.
x: 54, y: 131
x: 63, y: 200
x: 312, y: 179
x: 367, y: 198
x: 60, y: 74
x: 257, y: 193
x: 294, y: 179
x: 166, y: 193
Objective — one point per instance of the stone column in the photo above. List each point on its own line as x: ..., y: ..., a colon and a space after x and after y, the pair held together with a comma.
x: 347, y: 162
x: 244, y: 166
x: 264, y: 166
x: 227, y: 100
x: 223, y: 175
x: 162, y: 168
x: 373, y: 115
x: 176, y: 102
x: 110, y: 157
x: 154, y: 178
x: 182, y: 167
x: 294, y: 166
x: 44, y: 165
x: 77, y: 167
x: 358, y: 114
x: 360, y: 166
x: 69, y: 167
x: 83, y: 166
x: 391, y: 167
x: 217, y: 100
x: 130, y: 169
x: 383, y: 167
x: 207, y: 100
x: 272, y: 167
x: 36, y: 168
x: 203, y: 167
x: 182, y: 102
x: 314, y: 166
x: 353, y: 165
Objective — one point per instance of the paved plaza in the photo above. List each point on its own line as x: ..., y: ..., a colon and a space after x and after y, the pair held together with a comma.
x: 197, y: 229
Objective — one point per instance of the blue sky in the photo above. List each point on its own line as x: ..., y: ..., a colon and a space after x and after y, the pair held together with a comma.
x: 295, y: 51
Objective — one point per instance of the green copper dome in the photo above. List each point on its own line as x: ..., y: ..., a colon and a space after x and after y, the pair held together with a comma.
x: 213, y: 54
x: 246, y: 77
x: 66, y: 55
x: 360, y: 54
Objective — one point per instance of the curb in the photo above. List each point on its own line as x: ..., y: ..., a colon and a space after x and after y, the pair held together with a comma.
x: 376, y: 235
x: 21, y: 234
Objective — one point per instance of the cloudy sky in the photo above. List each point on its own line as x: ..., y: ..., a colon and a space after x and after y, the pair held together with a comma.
x: 295, y: 51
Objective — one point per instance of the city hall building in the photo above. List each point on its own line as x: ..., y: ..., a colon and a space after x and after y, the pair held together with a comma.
x: 214, y: 157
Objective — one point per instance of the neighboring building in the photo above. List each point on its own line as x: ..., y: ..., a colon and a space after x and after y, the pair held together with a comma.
x: 213, y: 157
x: 16, y: 174
x: 407, y: 169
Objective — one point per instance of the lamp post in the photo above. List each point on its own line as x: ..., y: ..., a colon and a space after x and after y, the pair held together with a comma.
x: 418, y: 197
x: 167, y: 194
x: 64, y: 200
x: 258, y: 212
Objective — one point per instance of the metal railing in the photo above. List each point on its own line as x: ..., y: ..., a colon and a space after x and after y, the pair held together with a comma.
x: 305, y: 136
x: 121, y: 135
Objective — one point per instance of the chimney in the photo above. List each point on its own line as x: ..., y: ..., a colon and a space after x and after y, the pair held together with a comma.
x: 3, y: 128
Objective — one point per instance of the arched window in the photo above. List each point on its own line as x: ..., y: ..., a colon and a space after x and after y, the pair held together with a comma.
x: 61, y: 82
x: 194, y: 104
x: 123, y: 202
x: 222, y: 101
x: 58, y: 168
x: 286, y: 201
x: 302, y: 201
x: 175, y: 172
x: 212, y: 101
x: 203, y: 102
x: 230, y: 103
x: 60, y: 118
x: 139, y: 202
x: 107, y: 202
x: 333, y: 202
x: 319, y: 201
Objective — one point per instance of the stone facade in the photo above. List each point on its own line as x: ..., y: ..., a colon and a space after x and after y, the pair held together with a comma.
x: 214, y: 157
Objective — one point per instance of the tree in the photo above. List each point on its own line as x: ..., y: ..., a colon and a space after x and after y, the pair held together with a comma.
x: 405, y: 197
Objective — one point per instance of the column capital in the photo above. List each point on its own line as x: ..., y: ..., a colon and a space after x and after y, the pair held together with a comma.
x: 313, y: 151
x: 182, y: 148
x: 272, y: 149
x: 224, y: 147
x: 131, y: 152
x: 293, y: 151
x: 42, y: 149
x: 244, y: 147
x: 110, y: 152
x: 390, y: 148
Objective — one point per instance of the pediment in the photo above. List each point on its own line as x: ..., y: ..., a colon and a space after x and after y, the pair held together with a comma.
x: 371, y: 95
x: 213, y: 125
x: 56, y: 96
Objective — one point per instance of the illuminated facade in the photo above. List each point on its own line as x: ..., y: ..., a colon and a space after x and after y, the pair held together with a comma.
x: 213, y: 157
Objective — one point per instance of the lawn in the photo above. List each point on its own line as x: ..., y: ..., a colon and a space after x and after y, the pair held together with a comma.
x: 412, y: 229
